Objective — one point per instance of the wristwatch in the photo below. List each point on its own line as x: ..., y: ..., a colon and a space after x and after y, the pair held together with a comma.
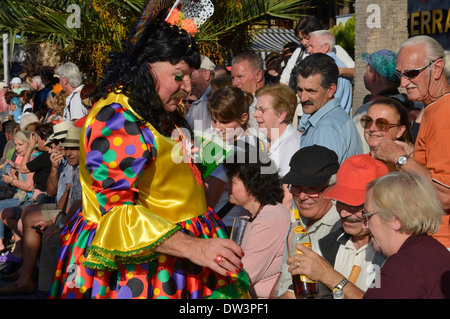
x: 340, y: 285
x: 402, y: 160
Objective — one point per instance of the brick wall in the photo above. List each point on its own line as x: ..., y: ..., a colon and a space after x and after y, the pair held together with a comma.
x: 380, y: 24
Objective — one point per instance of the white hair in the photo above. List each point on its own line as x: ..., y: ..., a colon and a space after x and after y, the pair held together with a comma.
x: 433, y: 49
x: 447, y: 65
x: 324, y: 36
x: 71, y: 72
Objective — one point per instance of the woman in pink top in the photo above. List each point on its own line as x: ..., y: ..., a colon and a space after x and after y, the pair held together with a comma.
x: 256, y: 186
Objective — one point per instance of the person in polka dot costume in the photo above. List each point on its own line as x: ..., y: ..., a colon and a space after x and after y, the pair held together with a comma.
x: 144, y: 229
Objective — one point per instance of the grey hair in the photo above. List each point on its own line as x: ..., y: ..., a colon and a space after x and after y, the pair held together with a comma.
x: 447, y: 65
x: 434, y: 49
x: 71, y: 72
x: 325, y: 36
x: 38, y: 80
x: 254, y: 59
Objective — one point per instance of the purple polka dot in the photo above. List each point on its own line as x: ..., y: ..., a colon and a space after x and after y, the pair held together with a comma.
x: 125, y: 293
x: 94, y: 159
x: 121, y: 184
x: 116, y: 122
x: 130, y: 149
x: 148, y: 136
x: 195, y: 295
x: 95, y: 287
x: 115, y: 106
x: 63, y: 252
x: 90, y: 272
x: 180, y: 278
x: 138, y: 165
x: 71, y: 295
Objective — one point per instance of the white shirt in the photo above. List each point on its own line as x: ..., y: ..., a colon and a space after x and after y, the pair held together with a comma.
x: 198, y: 116
x: 365, y: 257
x: 74, y: 109
x: 340, y: 53
x: 283, y: 148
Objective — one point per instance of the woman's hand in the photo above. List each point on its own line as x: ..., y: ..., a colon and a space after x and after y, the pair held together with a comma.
x: 32, y: 141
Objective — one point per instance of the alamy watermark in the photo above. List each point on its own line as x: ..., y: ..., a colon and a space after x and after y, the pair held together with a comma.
x: 74, y: 19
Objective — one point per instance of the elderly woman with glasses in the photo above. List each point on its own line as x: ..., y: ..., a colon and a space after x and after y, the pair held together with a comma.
x: 386, y: 119
x: 275, y: 111
x: 401, y: 210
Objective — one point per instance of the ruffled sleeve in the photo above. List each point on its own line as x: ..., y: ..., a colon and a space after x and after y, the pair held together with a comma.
x: 117, y: 150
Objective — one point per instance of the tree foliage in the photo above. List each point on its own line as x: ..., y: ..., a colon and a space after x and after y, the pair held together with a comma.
x: 86, y: 36
x: 345, y: 35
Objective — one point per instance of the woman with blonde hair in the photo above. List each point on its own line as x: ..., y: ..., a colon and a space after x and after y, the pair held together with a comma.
x: 401, y: 211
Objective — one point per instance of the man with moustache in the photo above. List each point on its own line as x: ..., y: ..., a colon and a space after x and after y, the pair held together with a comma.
x: 347, y: 251
x: 420, y: 66
x: 328, y: 125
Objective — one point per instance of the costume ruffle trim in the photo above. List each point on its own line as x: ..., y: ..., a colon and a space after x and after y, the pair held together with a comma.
x: 102, y: 259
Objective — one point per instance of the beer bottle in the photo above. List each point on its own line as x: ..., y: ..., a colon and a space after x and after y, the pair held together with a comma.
x: 304, y: 288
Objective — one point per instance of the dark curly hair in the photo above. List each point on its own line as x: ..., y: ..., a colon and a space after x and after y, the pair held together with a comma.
x: 129, y: 71
x: 258, y: 174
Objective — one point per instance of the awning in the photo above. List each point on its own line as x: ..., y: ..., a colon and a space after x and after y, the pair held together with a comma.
x: 269, y: 40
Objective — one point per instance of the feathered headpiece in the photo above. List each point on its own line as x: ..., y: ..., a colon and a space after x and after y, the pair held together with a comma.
x: 187, y: 14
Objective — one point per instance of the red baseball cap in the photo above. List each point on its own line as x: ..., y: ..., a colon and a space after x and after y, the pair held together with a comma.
x: 352, y: 179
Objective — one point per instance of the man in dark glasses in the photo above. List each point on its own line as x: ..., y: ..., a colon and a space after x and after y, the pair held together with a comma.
x: 420, y: 64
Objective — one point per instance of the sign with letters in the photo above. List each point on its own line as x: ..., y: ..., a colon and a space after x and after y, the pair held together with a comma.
x: 430, y: 17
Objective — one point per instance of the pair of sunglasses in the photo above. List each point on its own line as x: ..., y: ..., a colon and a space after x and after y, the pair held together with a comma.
x: 380, y: 123
x: 413, y: 73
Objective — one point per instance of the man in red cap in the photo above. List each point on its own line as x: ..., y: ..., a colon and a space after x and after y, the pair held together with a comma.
x: 346, y: 255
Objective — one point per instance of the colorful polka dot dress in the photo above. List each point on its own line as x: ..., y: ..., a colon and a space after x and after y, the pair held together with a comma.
x: 139, y: 188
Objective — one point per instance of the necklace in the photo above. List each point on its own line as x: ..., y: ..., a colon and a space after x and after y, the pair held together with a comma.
x: 257, y: 212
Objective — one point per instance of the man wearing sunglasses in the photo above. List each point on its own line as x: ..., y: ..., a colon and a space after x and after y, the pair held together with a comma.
x: 312, y: 172
x: 420, y: 64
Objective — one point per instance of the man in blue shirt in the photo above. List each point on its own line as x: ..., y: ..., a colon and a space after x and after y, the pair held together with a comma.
x: 328, y: 124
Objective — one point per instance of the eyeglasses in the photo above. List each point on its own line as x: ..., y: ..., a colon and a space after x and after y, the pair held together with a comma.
x: 366, y: 215
x: 188, y: 101
x: 413, y: 73
x: 261, y: 110
x: 380, y: 123
x: 308, y: 191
